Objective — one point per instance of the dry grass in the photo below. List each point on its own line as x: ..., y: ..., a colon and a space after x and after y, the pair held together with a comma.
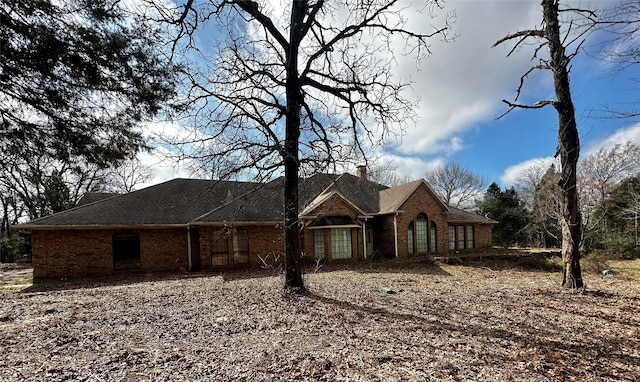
x: 479, y: 321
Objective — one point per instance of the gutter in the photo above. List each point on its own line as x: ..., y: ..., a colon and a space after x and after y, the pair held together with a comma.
x: 364, y: 238
x: 395, y: 234
x: 189, y: 246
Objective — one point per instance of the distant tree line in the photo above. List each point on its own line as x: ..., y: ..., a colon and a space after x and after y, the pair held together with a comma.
x: 609, y: 191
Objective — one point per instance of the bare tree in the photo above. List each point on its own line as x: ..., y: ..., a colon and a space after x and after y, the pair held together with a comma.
x: 598, y: 174
x: 457, y: 186
x: 296, y: 89
x: 620, y: 22
x: 128, y: 175
x: 551, y: 37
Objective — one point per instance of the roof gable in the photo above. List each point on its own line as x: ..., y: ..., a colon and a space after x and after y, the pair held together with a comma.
x: 363, y: 194
x: 393, y: 198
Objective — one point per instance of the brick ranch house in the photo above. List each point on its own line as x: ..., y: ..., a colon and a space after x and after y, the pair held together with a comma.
x: 205, y: 224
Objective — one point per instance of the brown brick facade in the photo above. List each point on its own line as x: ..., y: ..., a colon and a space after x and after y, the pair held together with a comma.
x: 86, y: 252
x: 77, y: 253
x: 422, y: 201
x: 266, y: 244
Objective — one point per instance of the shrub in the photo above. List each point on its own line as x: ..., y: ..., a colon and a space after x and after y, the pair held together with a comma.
x: 15, y: 248
x: 595, y: 262
x: 624, y: 247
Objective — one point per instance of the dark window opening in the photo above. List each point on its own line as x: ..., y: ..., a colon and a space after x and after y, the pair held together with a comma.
x: 126, y: 251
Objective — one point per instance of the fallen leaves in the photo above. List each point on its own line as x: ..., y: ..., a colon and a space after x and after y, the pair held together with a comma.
x: 444, y: 322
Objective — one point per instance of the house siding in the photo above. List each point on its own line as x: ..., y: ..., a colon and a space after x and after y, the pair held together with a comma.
x: 74, y: 252
x: 422, y: 201
x: 335, y: 205
x: 80, y: 253
x: 266, y: 245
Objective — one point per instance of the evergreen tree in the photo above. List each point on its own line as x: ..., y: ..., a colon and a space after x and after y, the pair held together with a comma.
x: 77, y: 78
x: 510, y: 212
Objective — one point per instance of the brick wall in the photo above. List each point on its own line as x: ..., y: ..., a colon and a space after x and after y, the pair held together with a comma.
x: 335, y: 205
x: 483, y: 235
x: 78, y: 253
x: 422, y: 201
x: 265, y: 242
x: 71, y: 253
x: 163, y: 249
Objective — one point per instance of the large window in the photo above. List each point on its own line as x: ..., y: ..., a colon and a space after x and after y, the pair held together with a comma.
x: 470, y: 243
x: 410, y: 238
x: 422, y: 244
x: 341, y: 243
x: 241, y: 247
x: 219, y: 248
x: 434, y: 238
x: 452, y: 237
x: 318, y: 243
x: 460, y: 237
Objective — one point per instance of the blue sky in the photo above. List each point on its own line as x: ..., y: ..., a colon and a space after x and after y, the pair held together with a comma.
x: 461, y: 86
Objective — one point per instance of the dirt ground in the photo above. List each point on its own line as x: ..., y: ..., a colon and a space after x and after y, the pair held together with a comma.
x: 17, y: 275
x: 409, y: 322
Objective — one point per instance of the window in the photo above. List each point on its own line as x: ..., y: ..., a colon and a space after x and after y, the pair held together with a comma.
x: 452, y: 237
x: 341, y: 243
x: 434, y: 238
x: 241, y: 247
x: 410, y: 238
x: 421, y: 234
x: 318, y: 243
x: 460, y: 237
x: 219, y: 248
x: 470, y: 243
x: 126, y: 251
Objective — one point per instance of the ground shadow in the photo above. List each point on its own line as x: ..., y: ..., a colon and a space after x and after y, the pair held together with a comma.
x: 119, y: 279
x: 526, y: 262
x: 414, y: 265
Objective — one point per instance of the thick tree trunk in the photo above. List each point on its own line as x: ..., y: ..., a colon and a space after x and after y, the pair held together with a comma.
x: 293, y: 252
x: 568, y: 149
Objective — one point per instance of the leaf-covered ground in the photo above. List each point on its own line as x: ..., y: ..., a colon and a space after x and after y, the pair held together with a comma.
x: 473, y: 322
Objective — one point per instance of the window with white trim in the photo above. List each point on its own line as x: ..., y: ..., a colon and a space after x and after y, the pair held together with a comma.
x: 434, y: 238
x: 341, y: 247
x: 460, y: 237
x: 318, y: 243
x: 470, y: 239
x: 452, y: 237
x: 422, y: 243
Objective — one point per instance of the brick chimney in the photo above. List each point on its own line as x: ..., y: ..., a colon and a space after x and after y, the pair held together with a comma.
x: 361, y: 171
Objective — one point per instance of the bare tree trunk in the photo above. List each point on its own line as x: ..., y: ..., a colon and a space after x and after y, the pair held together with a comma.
x: 293, y: 258
x: 568, y: 149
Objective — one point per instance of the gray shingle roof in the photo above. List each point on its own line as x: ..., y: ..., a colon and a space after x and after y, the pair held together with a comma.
x: 177, y: 201
x: 392, y: 199
x: 457, y: 215
x: 266, y: 202
x: 183, y: 201
x: 91, y: 197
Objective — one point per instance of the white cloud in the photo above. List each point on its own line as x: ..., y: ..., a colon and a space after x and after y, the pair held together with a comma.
x: 463, y: 82
x: 513, y: 173
x: 621, y: 136
x: 161, y: 168
x: 410, y: 168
